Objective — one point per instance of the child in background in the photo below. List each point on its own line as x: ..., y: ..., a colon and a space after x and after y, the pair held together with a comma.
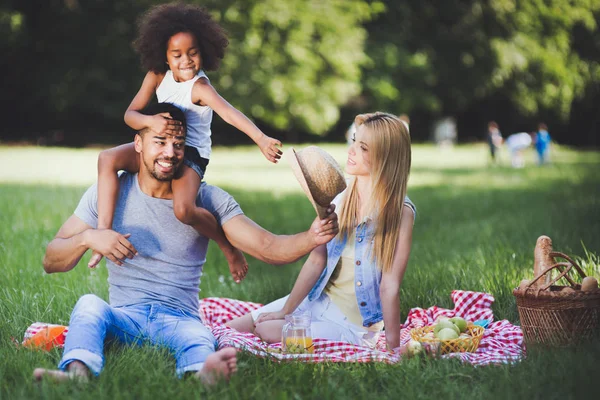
x: 177, y: 42
x: 494, y: 139
x: 517, y: 143
x: 542, y: 143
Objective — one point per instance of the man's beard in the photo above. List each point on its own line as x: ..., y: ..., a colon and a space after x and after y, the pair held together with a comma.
x: 160, y: 176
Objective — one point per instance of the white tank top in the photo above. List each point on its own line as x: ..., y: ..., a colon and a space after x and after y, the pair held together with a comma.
x: 198, y: 117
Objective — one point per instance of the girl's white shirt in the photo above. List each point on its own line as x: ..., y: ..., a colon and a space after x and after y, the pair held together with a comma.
x: 198, y: 118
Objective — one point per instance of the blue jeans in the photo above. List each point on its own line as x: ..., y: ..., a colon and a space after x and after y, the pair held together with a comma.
x: 93, y: 321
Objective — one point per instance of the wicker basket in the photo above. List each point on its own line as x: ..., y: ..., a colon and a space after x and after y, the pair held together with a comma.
x: 558, y: 315
x: 460, y: 345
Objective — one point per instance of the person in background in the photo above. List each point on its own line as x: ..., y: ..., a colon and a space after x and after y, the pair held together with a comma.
x: 517, y: 143
x: 494, y: 140
x: 542, y: 143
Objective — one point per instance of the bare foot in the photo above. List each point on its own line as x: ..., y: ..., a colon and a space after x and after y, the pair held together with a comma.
x: 219, y: 365
x: 238, y: 266
x: 77, y: 371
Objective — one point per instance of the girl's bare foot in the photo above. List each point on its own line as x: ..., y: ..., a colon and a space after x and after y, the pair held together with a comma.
x: 238, y: 266
x: 77, y: 371
x: 219, y: 365
x: 94, y: 260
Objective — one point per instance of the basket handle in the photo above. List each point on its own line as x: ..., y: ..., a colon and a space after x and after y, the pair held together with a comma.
x: 569, y: 259
x: 567, y: 277
x: 546, y: 271
x: 563, y: 273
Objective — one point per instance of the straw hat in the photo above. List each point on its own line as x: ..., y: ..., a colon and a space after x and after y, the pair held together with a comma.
x: 319, y: 175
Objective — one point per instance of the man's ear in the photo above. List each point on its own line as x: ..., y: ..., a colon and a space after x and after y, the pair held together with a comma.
x: 137, y: 142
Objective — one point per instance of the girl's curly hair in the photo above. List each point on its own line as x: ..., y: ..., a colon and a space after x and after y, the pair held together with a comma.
x: 158, y: 24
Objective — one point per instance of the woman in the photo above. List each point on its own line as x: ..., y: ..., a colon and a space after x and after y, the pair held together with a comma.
x: 351, y: 285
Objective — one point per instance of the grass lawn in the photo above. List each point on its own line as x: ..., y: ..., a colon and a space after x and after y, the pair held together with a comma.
x: 475, y: 230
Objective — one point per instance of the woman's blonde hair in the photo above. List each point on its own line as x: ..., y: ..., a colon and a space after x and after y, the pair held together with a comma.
x: 390, y: 158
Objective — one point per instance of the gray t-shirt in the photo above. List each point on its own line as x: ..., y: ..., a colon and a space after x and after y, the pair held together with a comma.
x: 171, y: 254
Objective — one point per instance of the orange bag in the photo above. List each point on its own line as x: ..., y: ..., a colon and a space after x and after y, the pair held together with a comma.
x: 47, y: 338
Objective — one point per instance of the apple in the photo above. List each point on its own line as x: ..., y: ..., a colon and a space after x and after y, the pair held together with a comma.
x: 413, y: 348
x: 447, y: 334
x: 460, y: 323
x: 445, y: 324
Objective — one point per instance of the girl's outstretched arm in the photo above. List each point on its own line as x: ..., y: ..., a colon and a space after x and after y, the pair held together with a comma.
x: 204, y: 94
x: 309, y: 274
x: 391, y: 280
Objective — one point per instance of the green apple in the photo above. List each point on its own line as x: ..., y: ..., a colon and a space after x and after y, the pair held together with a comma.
x: 445, y: 324
x: 460, y: 323
x: 413, y: 348
x: 447, y: 334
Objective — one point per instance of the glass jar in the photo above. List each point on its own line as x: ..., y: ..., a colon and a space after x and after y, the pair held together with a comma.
x: 296, y: 335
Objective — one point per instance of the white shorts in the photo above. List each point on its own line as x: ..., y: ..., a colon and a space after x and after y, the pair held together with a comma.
x: 327, y: 321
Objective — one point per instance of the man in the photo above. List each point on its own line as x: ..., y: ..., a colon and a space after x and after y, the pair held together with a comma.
x: 155, y: 262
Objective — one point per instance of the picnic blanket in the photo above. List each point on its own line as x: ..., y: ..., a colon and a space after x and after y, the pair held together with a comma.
x: 502, y: 342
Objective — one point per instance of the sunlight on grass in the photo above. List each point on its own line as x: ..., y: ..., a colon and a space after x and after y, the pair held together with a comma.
x: 475, y: 230
x: 245, y: 167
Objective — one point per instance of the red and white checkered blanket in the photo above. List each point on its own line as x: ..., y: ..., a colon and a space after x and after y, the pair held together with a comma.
x: 502, y: 342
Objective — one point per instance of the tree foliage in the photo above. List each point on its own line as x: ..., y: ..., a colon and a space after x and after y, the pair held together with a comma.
x: 296, y: 64
x: 444, y: 56
x: 293, y: 64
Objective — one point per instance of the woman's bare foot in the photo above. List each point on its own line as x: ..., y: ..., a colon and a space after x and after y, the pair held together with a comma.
x: 219, y: 365
x: 77, y: 371
x: 238, y: 266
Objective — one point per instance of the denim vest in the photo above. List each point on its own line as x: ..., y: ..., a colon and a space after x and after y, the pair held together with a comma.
x: 367, y: 276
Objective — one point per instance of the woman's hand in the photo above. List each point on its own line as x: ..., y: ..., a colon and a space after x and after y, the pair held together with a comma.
x: 269, y: 316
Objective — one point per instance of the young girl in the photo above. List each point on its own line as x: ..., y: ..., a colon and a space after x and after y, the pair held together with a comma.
x: 177, y: 42
x: 351, y: 285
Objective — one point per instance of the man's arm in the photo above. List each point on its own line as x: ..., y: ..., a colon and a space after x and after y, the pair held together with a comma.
x: 251, y: 238
x: 73, y: 239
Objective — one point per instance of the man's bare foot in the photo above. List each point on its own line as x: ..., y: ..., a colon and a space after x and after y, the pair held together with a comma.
x: 77, y: 371
x: 238, y: 266
x: 219, y: 365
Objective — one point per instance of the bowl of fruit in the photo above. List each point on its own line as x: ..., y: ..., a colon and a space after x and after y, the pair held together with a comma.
x: 449, y: 335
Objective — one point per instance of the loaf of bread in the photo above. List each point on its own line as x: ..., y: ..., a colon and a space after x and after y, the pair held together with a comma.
x: 542, y: 259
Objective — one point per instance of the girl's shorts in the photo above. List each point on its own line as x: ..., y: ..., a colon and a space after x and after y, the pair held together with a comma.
x: 193, y: 160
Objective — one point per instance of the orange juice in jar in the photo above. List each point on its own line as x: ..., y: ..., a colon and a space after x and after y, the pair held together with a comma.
x: 299, y: 345
x: 296, y: 336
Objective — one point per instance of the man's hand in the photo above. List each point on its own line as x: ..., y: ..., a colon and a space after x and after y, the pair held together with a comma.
x: 269, y: 316
x: 323, y: 230
x: 110, y: 244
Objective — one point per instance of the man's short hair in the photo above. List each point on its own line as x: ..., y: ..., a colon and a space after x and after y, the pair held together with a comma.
x: 158, y: 108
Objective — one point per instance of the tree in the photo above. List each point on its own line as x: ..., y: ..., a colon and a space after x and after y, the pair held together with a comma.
x: 292, y: 64
x: 442, y: 57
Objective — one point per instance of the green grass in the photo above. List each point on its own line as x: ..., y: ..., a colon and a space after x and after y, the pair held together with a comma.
x: 476, y: 229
